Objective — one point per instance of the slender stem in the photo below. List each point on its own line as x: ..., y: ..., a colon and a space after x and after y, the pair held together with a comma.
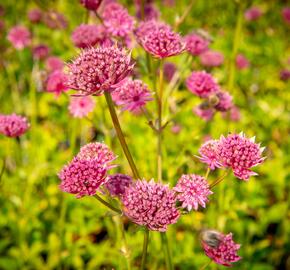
x: 219, y: 179
x: 121, y: 135
x: 184, y: 15
x: 207, y: 173
x: 206, y: 265
x: 166, y: 250
x: 125, y: 248
x: 107, y: 204
x: 145, y: 247
x: 99, y: 17
x: 3, y: 168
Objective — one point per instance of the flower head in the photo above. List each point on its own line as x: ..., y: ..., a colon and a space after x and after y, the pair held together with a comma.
x: 196, y: 44
x: 240, y: 153
x: 132, y: 95
x: 117, y: 183
x: 40, y: 51
x: 225, y: 101
x: 86, y: 35
x: 53, y: 63
x: 211, y: 58
x: 13, y: 125
x: 19, y: 36
x: 286, y: 14
x: 150, y: 12
x: 192, y: 191
x: 204, y: 113
x: 99, y: 69
x: 208, y: 154
x: 284, y: 74
x: 169, y: 70
x: 57, y: 82
x: 91, y: 4
x: 219, y: 247
x: 202, y: 84
x: 35, y: 15
x: 253, y: 13
x: 150, y: 204
x: 117, y: 20
x: 80, y: 107
x: 242, y: 62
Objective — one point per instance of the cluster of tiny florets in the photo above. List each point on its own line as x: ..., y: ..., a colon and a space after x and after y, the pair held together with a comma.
x: 91, y: 4
x: 209, y: 155
x: 19, y: 36
x: 211, y: 58
x: 132, y: 95
x: 225, y: 101
x: 57, y: 82
x: 192, y: 191
x: 53, y: 63
x: 117, y: 183
x: 40, y: 51
x: 196, y: 44
x: 80, y: 107
x: 13, y: 125
x: 99, y: 69
x: 150, y: 204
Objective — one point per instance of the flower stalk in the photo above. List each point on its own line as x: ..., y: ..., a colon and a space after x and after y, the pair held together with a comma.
x: 113, y: 208
x: 145, y: 247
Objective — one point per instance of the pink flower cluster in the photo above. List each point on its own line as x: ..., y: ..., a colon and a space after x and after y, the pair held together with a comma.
x: 87, y: 171
x: 150, y: 204
x: 219, y: 247
x: 192, y: 191
x: 13, y: 125
x: 53, y: 63
x: 253, y: 13
x: 57, y: 82
x: 242, y: 62
x: 209, y: 155
x: 40, y: 51
x: 132, y: 95
x: 211, y: 58
x: 100, y: 69
x: 196, y: 44
x: 80, y: 107
x: 34, y: 15
x: 20, y: 37
x: 91, y: 4
x: 117, y: 183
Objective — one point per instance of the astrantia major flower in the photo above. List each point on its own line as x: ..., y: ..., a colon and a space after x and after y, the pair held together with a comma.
x: 150, y: 204
x: 13, y: 125
x: 91, y: 4
x: 253, y: 13
x: 225, y: 101
x: 219, y: 247
x: 57, y: 82
x: 40, y: 51
x: 242, y: 62
x: 80, y: 107
x: 19, y: 36
x: 202, y: 84
x: 132, y: 95
x: 240, y: 153
x: 53, y: 63
x: 196, y: 44
x: 203, y: 112
x: 208, y: 154
x: 100, y: 69
x: 211, y: 58
x: 117, y: 183
x: 192, y: 190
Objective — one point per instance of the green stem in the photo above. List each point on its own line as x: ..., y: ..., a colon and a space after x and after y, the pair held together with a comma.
x: 113, y: 208
x: 120, y: 134
x: 184, y: 15
x: 207, y: 173
x: 125, y: 248
x: 166, y: 251
x: 206, y: 265
x: 145, y: 247
x: 219, y: 179
x: 3, y: 168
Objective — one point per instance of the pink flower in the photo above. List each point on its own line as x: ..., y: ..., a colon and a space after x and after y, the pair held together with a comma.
x: 54, y: 20
x: 253, y: 13
x: 86, y: 35
x: 204, y: 113
x: 202, y: 84
x: 219, y: 247
x: 176, y: 128
x: 150, y: 204
x: 146, y: 27
x: 117, y: 20
x: 53, y: 63
x: 57, y: 82
x: 241, y: 154
x: 80, y: 107
x: 40, y: 52
x: 225, y: 101
x: 284, y: 74
x: 209, y: 154
x: 195, y: 44
x: 235, y: 114
x: 13, y: 125
x: 286, y: 14
x: 150, y: 12
x: 192, y: 191
x: 132, y: 95
x: 169, y: 70
x: 211, y: 58
x: 19, y: 36
x: 117, y: 183
x: 91, y: 4
x: 35, y: 15
x: 242, y: 62
x: 161, y: 42
x: 99, y: 69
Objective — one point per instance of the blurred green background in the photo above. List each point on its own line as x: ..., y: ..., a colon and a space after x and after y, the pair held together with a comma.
x: 43, y: 228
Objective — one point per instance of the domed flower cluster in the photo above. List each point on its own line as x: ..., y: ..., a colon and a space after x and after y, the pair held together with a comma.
x: 40, y: 51
x: 225, y: 101
x: 219, y: 247
x: 159, y: 40
x: 150, y: 204
x: 202, y: 84
x: 19, y: 36
x: 80, y: 107
x: 53, y: 63
x: 87, y: 171
x: 91, y: 4
x: 132, y: 95
x: 100, y: 69
x: 253, y: 13
x: 286, y: 14
x: 169, y: 70
x: 35, y: 15
x: 208, y: 154
x: 13, y: 125
x: 211, y: 58
x: 86, y: 35
x: 192, y: 191
x: 196, y: 44
x: 146, y: 27
x: 117, y: 183
x: 117, y: 20
x: 242, y: 62
x: 204, y: 112
x: 57, y: 82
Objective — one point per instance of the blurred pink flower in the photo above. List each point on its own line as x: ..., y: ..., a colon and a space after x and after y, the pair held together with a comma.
x: 132, y: 95
x: 196, y: 44
x: 284, y: 74
x: 169, y: 70
x: 100, y: 69
x: 57, y: 82
x: 192, y: 191
x: 176, y: 128
x: 202, y: 84
x: 34, y: 15
x: 40, y: 51
x: 13, y: 125
x: 204, y: 113
x: 80, y: 107
x: 211, y: 58
x: 117, y: 184
x: 235, y: 114
x: 53, y: 63
x: 209, y: 155
x: 91, y: 4
x: 219, y: 247
x: 242, y: 62
x: 253, y: 13
x: 54, y: 20
x: 286, y: 14
x: 150, y: 204
x: 225, y: 101
x: 150, y: 12
x: 19, y: 36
